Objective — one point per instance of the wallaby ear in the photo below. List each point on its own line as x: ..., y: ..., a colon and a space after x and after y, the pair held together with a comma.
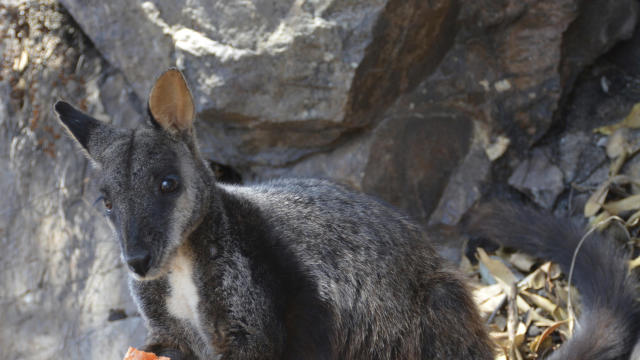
x: 93, y: 135
x: 170, y: 102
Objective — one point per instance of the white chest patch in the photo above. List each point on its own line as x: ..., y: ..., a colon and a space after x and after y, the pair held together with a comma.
x: 183, y: 296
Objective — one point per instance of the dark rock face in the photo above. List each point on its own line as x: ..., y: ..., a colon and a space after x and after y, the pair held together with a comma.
x: 513, y: 49
x: 285, y: 84
x: 538, y: 178
x: 410, y: 39
x: 410, y: 100
x: 412, y: 155
x: 281, y: 80
x: 597, y: 28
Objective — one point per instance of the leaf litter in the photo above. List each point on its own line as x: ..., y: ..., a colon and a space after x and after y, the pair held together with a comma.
x: 529, y: 304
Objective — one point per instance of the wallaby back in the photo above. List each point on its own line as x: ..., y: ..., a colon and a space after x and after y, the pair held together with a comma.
x: 610, y: 322
x: 288, y: 269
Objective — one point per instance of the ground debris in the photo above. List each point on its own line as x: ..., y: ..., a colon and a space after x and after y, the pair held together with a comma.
x: 530, y: 317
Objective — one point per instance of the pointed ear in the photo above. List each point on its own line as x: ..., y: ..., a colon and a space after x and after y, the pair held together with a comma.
x: 170, y: 102
x: 93, y: 135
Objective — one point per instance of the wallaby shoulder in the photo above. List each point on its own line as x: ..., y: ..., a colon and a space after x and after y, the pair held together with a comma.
x: 365, y: 263
x: 327, y: 209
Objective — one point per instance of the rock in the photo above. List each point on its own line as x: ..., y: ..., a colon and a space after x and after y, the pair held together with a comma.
x: 508, y: 77
x: 624, y: 54
x: 512, y: 78
x: 534, y: 331
x: 464, y: 187
x: 412, y: 156
x: 102, y: 343
x: 408, y: 159
x: 116, y: 314
x: 579, y: 156
x: 345, y: 164
x: 61, y: 270
x: 597, y: 28
x: 294, y: 88
x: 539, y: 179
x: 449, y: 242
x: 278, y: 80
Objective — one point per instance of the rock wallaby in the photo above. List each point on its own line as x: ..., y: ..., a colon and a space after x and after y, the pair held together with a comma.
x: 306, y: 269
x: 609, y: 326
x: 288, y: 269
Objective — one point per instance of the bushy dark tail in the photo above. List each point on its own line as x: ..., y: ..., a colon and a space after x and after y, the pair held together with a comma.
x: 609, y: 325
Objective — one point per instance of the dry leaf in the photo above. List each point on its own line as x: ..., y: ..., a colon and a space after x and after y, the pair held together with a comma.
x: 501, y: 339
x: 535, y: 280
x: 532, y: 312
x: 615, y: 167
x: 629, y: 203
x: 524, y: 307
x: 515, y: 354
x: 600, y: 221
x: 490, y: 305
x: 557, y: 312
x: 497, y: 268
x: 484, y: 293
x: 595, y: 201
x: 488, y: 297
x: 633, y: 219
x: 522, y: 261
x: 632, y: 121
x: 617, y: 144
x: 548, y: 331
x: 521, y: 333
x: 553, y: 270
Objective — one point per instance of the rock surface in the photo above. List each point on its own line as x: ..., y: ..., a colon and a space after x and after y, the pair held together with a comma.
x: 276, y: 79
x: 423, y: 103
x: 60, y: 271
x: 538, y: 178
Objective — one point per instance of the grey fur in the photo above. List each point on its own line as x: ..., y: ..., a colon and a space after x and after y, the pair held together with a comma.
x: 287, y: 269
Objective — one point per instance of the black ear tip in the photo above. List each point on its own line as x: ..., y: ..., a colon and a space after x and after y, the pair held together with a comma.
x: 62, y: 107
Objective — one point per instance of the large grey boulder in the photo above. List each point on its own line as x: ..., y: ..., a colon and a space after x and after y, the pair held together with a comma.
x: 317, y: 88
x: 275, y: 79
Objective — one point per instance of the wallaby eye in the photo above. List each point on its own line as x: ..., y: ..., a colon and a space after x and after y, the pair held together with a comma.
x: 108, y: 205
x: 169, y: 184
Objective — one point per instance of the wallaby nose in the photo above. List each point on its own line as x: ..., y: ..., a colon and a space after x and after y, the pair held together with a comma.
x: 139, y: 262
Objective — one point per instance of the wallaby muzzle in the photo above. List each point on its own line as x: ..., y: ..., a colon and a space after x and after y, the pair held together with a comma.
x: 135, y: 253
x: 139, y: 261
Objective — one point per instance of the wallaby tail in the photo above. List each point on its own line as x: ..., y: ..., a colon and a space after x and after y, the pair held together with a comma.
x: 609, y: 325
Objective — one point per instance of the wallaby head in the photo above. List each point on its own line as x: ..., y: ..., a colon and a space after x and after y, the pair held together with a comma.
x: 154, y: 183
